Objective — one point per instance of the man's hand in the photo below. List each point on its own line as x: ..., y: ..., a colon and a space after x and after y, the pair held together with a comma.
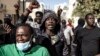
x: 7, y: 28
x: 33, y: 5
x: 16, y: 7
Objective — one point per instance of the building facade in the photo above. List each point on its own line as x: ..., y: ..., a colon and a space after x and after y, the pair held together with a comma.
x: 7, y: 7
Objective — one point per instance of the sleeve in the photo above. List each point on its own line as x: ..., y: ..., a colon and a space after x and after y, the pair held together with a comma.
x: 65, y: 33
x: 1, y: 51
x: 71, y: 32
x: 22, y: 19
x: 45, y: 52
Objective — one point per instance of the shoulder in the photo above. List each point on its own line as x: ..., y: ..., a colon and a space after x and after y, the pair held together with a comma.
x: 41, y: 37
x: 68, y: 27
x: 40, y: 48
x: 7, y: 47
x: 82, y: 29
x: 97, y: 30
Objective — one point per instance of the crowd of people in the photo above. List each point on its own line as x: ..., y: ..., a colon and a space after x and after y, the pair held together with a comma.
x: 49, y: 35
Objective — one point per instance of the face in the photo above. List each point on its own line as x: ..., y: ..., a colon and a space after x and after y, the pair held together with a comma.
x: 70, y: 21
x: 38, y: 18
x: 90, y: 20
x: 22, y: 34
x: 63, y: 21
x: 50, y: 24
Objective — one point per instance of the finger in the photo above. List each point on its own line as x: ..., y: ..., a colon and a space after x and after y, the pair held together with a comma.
x: 8, y: 30
x: 4, y: 26
x: 8, y: 27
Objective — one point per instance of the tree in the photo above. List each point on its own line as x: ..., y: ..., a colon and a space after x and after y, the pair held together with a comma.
x: 87, y: 6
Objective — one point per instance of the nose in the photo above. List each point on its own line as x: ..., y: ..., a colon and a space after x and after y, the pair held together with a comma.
x: 20, y: 39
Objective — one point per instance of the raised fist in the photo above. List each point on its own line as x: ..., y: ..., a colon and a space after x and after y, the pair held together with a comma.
x: 33, y: 5
x: 16, y: 7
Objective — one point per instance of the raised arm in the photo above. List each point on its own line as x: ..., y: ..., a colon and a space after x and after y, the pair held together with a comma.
x: 24, y: 16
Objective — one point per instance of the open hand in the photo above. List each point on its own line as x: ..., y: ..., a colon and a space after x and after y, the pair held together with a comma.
x: 7, y: 28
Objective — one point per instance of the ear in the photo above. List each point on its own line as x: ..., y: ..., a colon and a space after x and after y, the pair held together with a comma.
x: 33, y: 38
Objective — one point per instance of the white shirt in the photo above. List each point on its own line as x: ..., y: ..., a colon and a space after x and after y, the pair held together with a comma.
x: 33, y: 24
x: 67, y: 33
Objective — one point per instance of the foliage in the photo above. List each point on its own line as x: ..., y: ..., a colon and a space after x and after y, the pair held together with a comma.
x: 87, y: 6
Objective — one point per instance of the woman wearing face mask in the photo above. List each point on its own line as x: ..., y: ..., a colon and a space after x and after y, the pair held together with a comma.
x: 24, y: 44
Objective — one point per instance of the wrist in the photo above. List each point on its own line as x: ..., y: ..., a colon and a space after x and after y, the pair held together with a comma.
x: 28, y: 10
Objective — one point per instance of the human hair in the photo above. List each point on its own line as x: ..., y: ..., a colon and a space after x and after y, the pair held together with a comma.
x: 81, y: 22
x: 31, y: 30
x: 39, y: 12
x: 86, y: 17
x: 50, y: 14
x: 63, y: 21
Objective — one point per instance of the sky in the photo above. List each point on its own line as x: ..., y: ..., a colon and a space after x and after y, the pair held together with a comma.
x: 49, y: 4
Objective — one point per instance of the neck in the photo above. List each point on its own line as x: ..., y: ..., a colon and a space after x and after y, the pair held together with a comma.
x: 50, y: 32
x: 89, y: 27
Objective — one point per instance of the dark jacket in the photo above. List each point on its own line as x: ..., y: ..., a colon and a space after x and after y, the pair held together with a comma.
x: 54, y: 49
x: 7, y: 38
x: 76, y: 41
x: 44, y: 40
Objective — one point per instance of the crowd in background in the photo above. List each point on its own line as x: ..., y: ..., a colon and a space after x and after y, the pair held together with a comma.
x: 49, y: 35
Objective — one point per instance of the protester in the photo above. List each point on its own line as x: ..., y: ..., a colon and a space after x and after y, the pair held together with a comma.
x: 48, y: 34
x: 70, y: 23
x: 69, y: 35
x: 89, y: 38
x: 24, y: 44
x: 63, y: 24
x: 7, y: 20
x: 37, y: 20
x: 53, y: 39
x: 59, y: 14
x: 80, y: 25
x: 24, y: 16
x: 7, y: 30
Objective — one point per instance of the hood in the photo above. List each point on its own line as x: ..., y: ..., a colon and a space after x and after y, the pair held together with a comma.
x: 47, y: 14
